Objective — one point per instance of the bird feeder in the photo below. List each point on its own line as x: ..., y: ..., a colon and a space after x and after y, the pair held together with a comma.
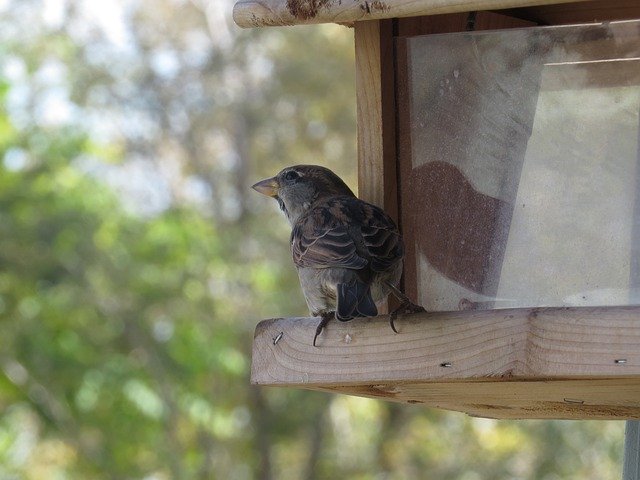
x: 502, y: 136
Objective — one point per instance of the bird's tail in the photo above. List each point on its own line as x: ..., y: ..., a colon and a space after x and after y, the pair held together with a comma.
x: 354, y: 300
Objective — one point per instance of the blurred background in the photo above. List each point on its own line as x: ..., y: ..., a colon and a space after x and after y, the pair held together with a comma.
x: 135, y: 261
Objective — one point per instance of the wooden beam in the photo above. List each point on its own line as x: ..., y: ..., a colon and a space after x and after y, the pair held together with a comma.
x: 516, y: 363
x: 376, y: 113
x: 375, y: 100
x: 574, y: 399
x: 376, y: 117
x: 458, y: 22
x: 262, y: 13
x: 369, y: 112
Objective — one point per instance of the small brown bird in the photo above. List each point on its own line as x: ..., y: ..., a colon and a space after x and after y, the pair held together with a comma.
x: 348, y: 253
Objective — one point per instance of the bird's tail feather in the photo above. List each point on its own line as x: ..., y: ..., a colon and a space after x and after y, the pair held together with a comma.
x: 354, y: 300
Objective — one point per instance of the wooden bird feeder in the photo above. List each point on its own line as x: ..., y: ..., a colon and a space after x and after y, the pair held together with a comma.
x: 502, y: 135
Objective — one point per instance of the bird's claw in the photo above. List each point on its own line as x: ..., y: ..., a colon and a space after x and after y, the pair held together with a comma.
x: 403, y: 309
x: 325, y: 317
x: 392, y: 321
x: 406, y: 306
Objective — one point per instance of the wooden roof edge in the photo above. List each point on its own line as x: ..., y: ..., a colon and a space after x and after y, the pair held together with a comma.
x: 265, y: 13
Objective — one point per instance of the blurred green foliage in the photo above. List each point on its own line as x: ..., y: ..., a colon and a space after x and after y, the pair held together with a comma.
x: 127, y: 321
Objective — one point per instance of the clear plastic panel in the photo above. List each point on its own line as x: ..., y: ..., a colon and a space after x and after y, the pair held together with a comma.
x: 519, y: 166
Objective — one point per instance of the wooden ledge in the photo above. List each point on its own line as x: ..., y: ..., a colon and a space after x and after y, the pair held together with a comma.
x: 264, y: 13
x: 517, y: 363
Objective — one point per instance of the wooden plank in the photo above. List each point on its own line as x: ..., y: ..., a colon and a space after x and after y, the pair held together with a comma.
x: 432, y: 24
x: 582, y: 12
x: 390, y: 184
x: 375, y: 99
x: 516, y: 363
x: 538, y: 343
x: 458, y: 22
x: 369, y: 112
x: 498, y: 21
x: 262, y: 13
x: 376, y: 116
x: 575, y: 399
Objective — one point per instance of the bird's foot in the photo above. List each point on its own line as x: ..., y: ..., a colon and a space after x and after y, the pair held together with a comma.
x: 324, y: 319
x: 406, y: 306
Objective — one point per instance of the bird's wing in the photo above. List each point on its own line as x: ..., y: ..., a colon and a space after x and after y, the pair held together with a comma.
x: 346, y: 232
x: 331, y: 247
x: 384, y: 245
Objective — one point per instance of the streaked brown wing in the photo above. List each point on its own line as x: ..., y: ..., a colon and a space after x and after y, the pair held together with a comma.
x: 384, y: 245
x: 332, y: 247
x: 349, y: 233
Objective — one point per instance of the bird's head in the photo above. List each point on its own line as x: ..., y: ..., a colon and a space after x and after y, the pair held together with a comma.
x: 297, y: 188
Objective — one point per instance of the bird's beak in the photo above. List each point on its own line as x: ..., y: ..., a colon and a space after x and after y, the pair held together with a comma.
x: 268, y: 187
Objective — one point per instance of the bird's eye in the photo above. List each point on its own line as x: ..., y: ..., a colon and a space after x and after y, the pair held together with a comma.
x: 291, y: 175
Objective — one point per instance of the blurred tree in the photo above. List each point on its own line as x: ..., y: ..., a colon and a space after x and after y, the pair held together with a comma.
x: 135, y: 261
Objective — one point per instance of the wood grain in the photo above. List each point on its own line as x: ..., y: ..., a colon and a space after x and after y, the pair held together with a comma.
x: 517, y: 363
x: 369, y: 112
x: 376, y: 181
x: 458, y: 22
x: 376, y: 113
x: 576, y: 399
x: 375, y: 99
x: 262, y: 13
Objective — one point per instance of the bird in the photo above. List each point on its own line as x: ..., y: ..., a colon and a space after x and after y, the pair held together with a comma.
x: 348, y: 252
